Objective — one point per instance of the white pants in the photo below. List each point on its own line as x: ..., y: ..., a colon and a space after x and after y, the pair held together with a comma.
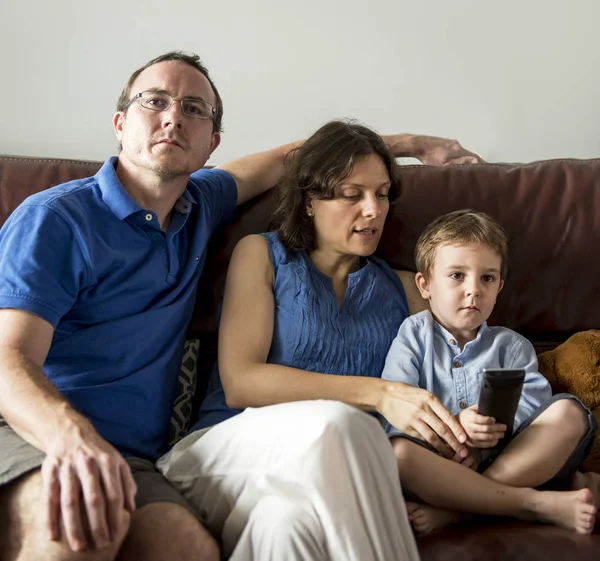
x: 310, y: 481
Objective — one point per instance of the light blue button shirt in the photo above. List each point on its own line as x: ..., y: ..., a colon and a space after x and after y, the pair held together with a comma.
x: 426, y: 355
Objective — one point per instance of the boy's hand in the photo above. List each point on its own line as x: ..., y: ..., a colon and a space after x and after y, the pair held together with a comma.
x: 482, y: 431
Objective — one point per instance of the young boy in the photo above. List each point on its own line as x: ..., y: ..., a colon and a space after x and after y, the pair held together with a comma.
x: 461, y: 260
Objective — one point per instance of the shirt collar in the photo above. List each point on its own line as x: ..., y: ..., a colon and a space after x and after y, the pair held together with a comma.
x: 120, y: 201
x: 449, y: 338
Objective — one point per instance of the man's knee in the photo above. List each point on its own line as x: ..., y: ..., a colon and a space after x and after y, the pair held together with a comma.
x: 23, y: 532
x: 164, y: 530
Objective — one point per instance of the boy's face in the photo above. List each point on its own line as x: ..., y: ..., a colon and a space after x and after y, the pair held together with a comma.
x: 462, y: 287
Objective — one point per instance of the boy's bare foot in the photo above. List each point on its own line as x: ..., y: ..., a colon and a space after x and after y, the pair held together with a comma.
x: 574, y: 510
x: 591, y: 481
x: 427, y: 519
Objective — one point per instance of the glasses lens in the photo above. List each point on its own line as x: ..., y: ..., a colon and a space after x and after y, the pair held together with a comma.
x: 196, y: 109
x: 155, y: 101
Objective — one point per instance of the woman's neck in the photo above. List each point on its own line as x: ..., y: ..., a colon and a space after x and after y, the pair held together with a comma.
x: 334, y: 265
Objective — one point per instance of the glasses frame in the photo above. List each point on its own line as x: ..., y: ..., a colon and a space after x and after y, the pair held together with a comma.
x: 139, y: 95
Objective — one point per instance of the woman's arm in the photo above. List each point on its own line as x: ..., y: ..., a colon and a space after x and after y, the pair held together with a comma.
x: 245, y: 337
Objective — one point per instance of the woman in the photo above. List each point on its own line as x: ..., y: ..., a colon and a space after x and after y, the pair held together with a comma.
x: 297, y: 474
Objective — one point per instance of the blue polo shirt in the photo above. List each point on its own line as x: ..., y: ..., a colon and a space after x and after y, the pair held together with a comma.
x: 118, y: 291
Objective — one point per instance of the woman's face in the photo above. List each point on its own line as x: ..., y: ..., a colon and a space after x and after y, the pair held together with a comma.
x: 351, y: 223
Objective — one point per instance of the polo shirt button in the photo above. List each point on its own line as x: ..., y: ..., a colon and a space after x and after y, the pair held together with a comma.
x: 462, y: 405
x: 456, y: 364
x: 148, y: 217
x: 452, y: 342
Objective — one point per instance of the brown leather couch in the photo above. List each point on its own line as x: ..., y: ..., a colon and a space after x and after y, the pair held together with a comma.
x: 551, y: 211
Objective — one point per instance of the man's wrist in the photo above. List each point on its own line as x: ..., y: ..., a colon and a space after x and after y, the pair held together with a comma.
x: 403, y: 145
x: 68, y: 423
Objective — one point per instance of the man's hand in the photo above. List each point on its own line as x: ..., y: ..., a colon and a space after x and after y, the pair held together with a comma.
x: 87, y: 484
x: 483, y: 432
x: 435, y: 151
x: 419, y: 413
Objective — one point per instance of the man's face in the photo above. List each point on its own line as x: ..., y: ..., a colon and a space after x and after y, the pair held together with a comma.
x: 167, y: 142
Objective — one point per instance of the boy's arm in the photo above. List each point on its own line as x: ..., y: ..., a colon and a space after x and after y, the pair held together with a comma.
x: 536, y: 389
x: 403, y: 361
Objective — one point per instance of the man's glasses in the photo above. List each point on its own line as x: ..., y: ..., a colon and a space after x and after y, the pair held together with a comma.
x: 161, y: 101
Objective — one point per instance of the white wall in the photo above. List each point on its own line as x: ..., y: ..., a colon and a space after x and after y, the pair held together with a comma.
x: 516, y: 80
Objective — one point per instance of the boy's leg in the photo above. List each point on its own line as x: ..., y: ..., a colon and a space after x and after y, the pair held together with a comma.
x: 325, y: 466
x: 552, y: 443
x: 445, y: 484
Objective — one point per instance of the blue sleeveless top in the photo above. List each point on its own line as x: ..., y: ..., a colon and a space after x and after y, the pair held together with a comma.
x: 311, y: 332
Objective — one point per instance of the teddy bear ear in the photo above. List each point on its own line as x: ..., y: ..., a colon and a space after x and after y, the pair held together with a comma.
x: 547, y: 366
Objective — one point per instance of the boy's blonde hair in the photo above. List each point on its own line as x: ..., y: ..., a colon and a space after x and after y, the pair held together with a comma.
x: 461, y: 227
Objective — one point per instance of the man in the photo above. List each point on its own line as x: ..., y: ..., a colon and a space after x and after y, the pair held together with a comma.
x: 97, y: 286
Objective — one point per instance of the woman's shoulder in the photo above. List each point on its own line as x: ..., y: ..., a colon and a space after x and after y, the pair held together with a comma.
x: 266, y: 246
x: 253, y: 244
x: 416, y: 303
x: 250, y: 251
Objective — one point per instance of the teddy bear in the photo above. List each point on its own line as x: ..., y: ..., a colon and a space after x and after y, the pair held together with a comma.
x: 574, y: 367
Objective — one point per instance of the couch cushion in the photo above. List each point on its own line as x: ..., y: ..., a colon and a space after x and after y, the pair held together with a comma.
x: 492, y: 539
x: 21, y: 177
x: 549, y: 208
x: 183, y: 408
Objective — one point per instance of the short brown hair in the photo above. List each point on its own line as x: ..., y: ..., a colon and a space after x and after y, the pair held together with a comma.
x: 461, y: 227
x: 315, y: 168
x: 192, y: 60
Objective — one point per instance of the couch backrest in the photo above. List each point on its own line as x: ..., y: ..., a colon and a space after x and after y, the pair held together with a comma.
x: 550, y: 209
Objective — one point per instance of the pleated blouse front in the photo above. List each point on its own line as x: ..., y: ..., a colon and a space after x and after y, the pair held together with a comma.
x: 312, y: 332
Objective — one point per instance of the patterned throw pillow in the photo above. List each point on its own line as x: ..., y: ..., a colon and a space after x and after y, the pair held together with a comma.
x: 183, y: 407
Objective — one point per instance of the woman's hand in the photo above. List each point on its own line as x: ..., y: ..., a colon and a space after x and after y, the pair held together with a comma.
x: 472, y: 459
x: 419, y: 413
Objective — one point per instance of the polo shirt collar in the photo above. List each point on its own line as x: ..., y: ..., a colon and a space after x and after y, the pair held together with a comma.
x: 120, y: 201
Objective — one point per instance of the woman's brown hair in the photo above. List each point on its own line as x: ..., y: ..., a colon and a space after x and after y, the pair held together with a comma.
x: 315, y: 168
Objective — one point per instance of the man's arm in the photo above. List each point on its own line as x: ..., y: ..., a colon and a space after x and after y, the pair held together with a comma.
x: 24, y: 343
x: 430, y: 150
x: 81, y: 471
x: 260, y: 172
